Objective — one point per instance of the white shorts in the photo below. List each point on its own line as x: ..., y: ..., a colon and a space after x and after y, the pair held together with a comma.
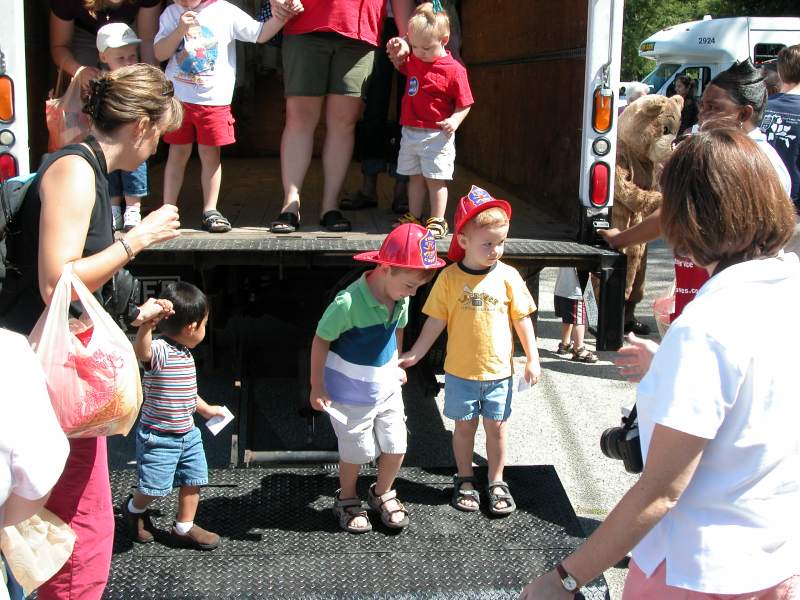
x: 427, y: 152
x: 371, y: 430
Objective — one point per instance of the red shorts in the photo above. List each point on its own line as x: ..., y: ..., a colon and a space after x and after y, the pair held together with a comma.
x: 206, y: 125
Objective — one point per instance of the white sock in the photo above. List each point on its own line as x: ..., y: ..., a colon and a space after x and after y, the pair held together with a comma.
x: 183, y: 527
x: 132, y: 509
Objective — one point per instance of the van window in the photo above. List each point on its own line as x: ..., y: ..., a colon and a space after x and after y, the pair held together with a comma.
x: 659, y: 76
x: 764, y: 52
x: 702, y: 75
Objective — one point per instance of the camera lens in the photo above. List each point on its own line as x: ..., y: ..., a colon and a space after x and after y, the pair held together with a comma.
x: 609, y: 442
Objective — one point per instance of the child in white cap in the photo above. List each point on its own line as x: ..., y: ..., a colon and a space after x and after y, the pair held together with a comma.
x: 118, y: 47
x: 354, y: 369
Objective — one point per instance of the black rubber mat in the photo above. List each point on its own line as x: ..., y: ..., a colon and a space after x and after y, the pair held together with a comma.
x: 281, y: 541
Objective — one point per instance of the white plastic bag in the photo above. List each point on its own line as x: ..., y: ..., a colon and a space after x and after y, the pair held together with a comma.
x: 90, y: 366
x: 66, y: 121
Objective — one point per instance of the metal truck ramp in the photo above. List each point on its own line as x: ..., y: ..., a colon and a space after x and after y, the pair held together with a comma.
x: 281, y: 541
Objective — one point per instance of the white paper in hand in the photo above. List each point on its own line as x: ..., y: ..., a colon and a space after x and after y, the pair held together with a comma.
x: 336, y: 414
x: 217, y: 423
x: 522, y: 384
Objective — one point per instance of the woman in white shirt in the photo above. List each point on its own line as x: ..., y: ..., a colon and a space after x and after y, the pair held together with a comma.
x: 714, y: 512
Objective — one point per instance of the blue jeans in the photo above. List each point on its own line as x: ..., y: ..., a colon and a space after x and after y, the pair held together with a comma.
x: 466, y: 399
x: 168, y: 460
x: 128, y: 183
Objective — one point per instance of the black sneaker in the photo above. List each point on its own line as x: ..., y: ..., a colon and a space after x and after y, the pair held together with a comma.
x: 637, y: 327
x: 137, y: 527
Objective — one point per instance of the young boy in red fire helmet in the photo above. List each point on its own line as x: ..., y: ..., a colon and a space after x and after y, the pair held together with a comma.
x: 355, y: 370
x: 481, y: 301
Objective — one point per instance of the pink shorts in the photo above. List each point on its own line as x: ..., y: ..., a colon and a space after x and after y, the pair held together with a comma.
x: 82, y: 498
x: 206, y: 125
x: 638, y: 585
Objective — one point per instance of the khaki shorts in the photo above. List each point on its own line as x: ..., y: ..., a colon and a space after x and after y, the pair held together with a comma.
x: 371, y: 430
x: 427, y: 152
x: 318, y: 64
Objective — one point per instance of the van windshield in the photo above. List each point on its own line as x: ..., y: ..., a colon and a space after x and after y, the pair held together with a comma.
x: 659, y: 76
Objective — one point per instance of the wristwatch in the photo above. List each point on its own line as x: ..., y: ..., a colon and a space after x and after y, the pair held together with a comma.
x: 568, y: 582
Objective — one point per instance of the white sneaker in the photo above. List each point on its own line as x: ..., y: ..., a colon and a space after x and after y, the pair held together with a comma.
x: 116, y: 217
x: 132, y: 218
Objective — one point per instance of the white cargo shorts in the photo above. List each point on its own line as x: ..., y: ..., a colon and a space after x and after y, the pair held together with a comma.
x: 371, y: 430
x: 427, y: 152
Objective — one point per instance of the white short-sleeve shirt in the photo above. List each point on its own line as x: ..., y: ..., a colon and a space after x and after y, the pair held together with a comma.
x: 723, y: 373
x: 777, y: 162
x: 33, y: 448
x: 203, y: 67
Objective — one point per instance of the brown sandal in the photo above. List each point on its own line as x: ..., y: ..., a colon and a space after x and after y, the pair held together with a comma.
x: 347, y: 511
x: 378, y: 503
x: 584, y: 355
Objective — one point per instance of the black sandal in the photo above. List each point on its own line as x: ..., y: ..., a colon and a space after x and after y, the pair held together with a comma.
x: 459, y: 494
x: 287, y: 222
x: 215, y: 222
x: 335, y: 221
x: 357, y: 201
x: 504, y: 496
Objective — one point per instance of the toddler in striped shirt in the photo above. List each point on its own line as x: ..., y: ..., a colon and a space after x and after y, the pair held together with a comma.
x: 169, y: 448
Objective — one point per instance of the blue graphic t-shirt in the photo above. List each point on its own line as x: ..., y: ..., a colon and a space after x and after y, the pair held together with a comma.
x: 781, y: 125
x: 203, y: 67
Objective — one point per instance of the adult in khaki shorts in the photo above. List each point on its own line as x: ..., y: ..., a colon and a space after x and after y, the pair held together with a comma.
x: 328, y: 52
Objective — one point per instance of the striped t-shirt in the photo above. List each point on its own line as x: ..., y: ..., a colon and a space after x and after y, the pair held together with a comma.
x: 170, y: 388
x: 361, y: 367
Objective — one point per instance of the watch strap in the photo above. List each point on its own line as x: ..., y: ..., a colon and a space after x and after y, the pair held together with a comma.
x: 565, y: 576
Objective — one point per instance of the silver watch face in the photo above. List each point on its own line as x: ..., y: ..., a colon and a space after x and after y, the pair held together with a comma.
x: 569, y: 583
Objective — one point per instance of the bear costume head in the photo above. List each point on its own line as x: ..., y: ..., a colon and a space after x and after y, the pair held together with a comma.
x: 647, y: 129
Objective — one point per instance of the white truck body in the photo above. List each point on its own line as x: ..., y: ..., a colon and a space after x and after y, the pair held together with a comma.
x: 14, y: 132
x: 703, y: 49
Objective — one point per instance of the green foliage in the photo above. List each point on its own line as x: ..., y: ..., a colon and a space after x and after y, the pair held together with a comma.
x: 644, y: 17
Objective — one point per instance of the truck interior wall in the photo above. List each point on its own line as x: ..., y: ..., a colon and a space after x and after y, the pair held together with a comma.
x: 40, y: 74
x: 526, y: 65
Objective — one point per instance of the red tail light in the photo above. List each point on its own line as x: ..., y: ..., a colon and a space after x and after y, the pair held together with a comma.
x: 599, y: 184
x: 8, y: 166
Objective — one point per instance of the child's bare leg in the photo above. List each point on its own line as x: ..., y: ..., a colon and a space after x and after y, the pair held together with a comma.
x: 210, y: 175
x: 133, y: 202
x: 566, y: 333
x: 388, y: 467
x: 416, y: 195
x: 437, y: 189
x: 141, y: 501
x: 188, y: 499
x: 577, y: 335
x: 348, y: 476
x: 463, y: 446
x: 496, y: 453
x: 173, y: 171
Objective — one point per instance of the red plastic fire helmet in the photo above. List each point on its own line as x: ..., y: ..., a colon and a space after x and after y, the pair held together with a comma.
x: 409, y: 246
x: 476, y: 201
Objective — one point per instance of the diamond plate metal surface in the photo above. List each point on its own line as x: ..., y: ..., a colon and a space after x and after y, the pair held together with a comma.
x: 280, y: 540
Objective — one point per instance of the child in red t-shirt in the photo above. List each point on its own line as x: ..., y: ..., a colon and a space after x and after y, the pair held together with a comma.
x: 436, y: 101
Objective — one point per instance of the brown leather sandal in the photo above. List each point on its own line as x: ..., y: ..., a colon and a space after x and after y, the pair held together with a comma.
x: 378, y: 503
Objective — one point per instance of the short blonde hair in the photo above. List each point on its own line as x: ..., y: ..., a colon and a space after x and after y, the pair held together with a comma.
x: 425, y: 21
x: 489, y: 219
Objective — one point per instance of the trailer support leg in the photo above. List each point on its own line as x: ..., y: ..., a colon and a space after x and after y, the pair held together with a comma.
x: 610, y: 306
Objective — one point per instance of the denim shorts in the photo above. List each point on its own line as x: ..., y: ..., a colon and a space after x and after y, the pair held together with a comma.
x: 128, y: 183
x: 167, y: 460
x: 466, y: 399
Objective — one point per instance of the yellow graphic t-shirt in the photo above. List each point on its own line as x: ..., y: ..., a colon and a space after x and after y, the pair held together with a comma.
x: 479, y: 310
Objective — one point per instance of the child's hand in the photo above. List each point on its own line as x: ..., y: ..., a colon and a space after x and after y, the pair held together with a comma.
x: 215, y: 410
x: 402, y: 375
x: 295, y: 6
x: 152, y: 311
x: 634, y: 358
x: 398, y: 50
x: 449, y: 126
x: 286, y: 9
x: 187, y: 21
x: 407, y: 359
x: 533, y: 372
x: 319, y: 398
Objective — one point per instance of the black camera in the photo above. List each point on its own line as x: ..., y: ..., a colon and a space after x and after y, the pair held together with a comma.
x: 622, y: 443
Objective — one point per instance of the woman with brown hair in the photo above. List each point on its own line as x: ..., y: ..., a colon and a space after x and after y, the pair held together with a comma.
x: 74, y: 25
x: 66, y: 218
x: 713, y: 514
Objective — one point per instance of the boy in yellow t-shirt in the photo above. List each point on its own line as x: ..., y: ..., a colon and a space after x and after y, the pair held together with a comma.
x: 479, y: 299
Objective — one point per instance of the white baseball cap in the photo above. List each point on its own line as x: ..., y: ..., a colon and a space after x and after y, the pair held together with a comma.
x: 115, y: 35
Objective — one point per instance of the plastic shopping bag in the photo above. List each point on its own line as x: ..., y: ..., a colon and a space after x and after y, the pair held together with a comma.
x: 37, y: 548
x: 66, y: 121
x: 90, y: 366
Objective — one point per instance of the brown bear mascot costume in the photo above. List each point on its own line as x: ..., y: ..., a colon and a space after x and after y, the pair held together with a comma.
x: 646, y: 131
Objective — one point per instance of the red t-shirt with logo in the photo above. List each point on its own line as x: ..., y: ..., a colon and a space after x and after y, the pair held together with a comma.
x: 355, y: 19
x: 433, y: 91
x: 689, y: 278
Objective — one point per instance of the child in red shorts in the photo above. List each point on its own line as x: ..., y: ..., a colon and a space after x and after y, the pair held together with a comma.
x: 198, y: 37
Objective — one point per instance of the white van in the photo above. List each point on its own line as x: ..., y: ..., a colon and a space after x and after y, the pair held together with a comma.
x: 702, y: 49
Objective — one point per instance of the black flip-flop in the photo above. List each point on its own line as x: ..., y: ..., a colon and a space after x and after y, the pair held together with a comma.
x: 335, y: 221
x: 357, y: 201
x: 287, y: 222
